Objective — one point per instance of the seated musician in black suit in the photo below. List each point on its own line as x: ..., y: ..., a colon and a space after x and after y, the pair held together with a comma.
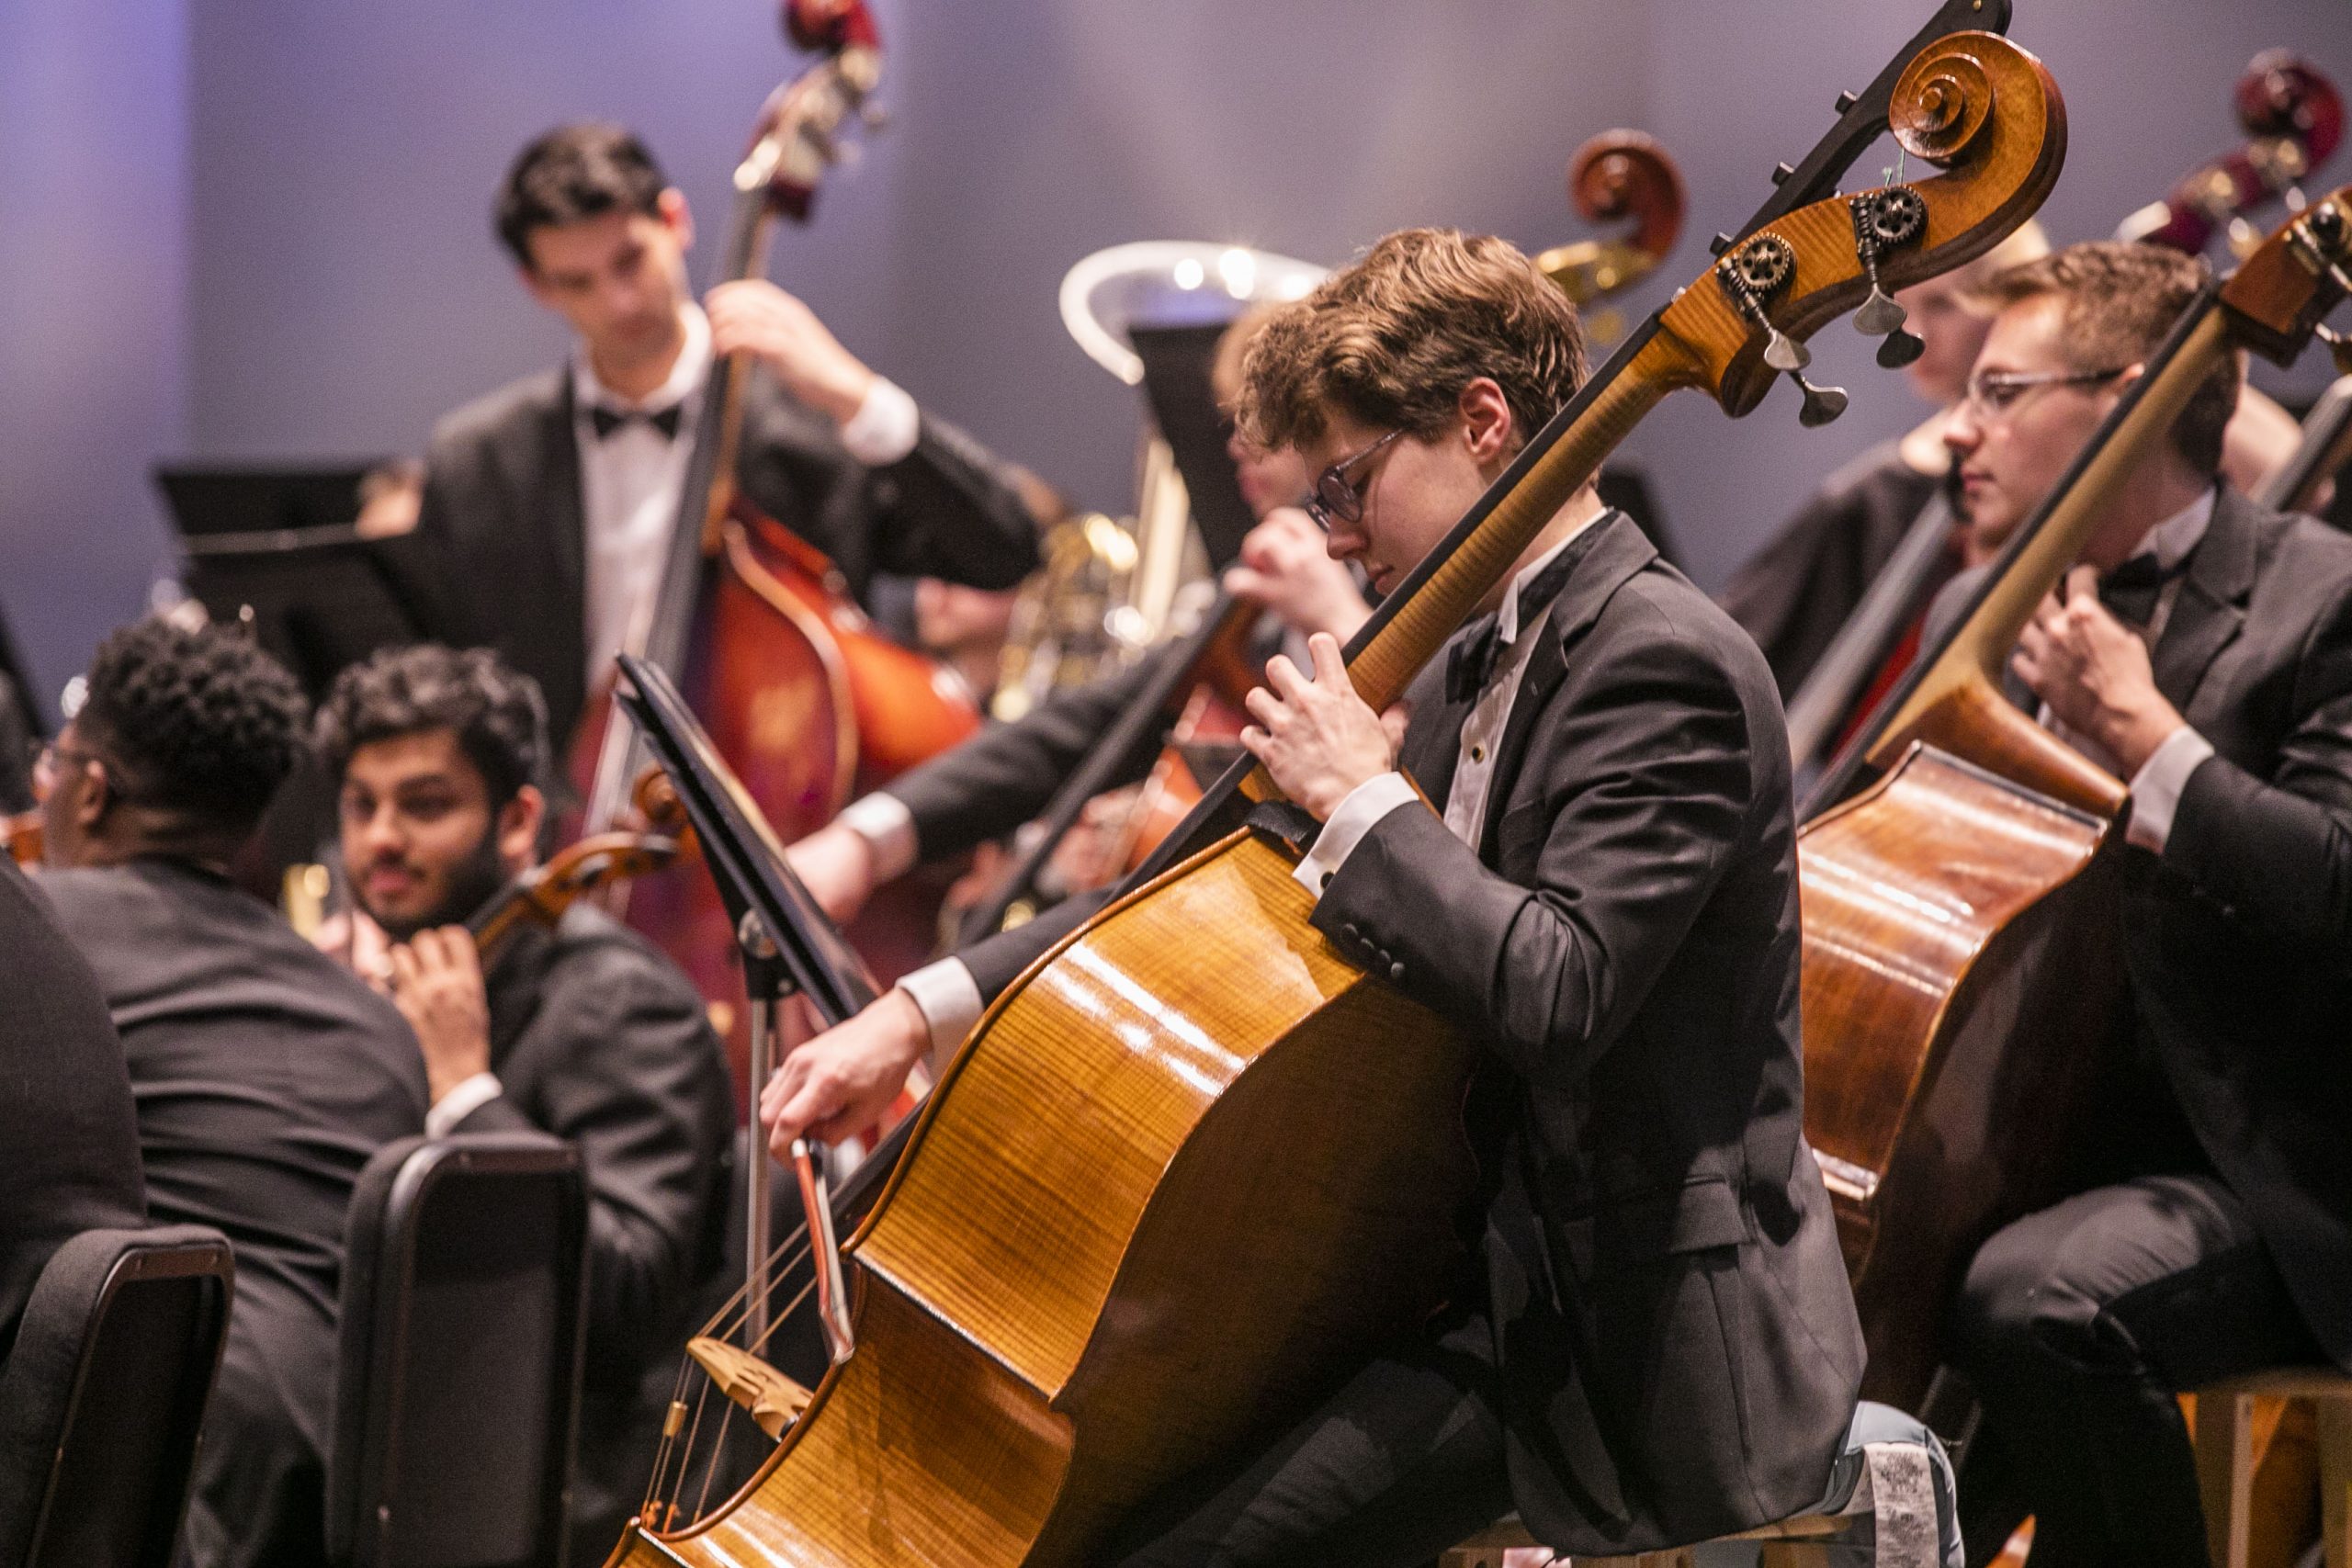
x: 66, y: 1119
x: 1605, y: 892
x: 585, y: 1032
x: 548, y: 504
x: 2215, y: 1233
x: 265, y: 1075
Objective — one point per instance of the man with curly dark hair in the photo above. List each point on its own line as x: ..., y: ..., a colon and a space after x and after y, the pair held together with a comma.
x: 585, y: 1032
x: 265, y: 1076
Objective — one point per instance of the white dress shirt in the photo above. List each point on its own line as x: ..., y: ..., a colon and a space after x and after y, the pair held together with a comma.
x: 630, y: 480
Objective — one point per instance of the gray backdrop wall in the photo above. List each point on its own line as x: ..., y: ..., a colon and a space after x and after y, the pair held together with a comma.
x: 241, y: 229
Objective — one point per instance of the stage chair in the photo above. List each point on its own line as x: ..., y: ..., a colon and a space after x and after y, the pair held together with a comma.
x: 1890, y: 1493
x: 458, y: 1372
x: 2225, y: 1458
x: 104, y: 1395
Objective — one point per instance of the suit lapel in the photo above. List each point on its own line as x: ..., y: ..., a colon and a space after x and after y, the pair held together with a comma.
x: 1616, y: 550
x: 2208, y: 609
x: 562, y: 523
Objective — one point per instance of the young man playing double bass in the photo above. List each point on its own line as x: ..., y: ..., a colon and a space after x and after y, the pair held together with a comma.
x: 547, y: 505
x: 584, y: 1031
x: 2202, y: 653
x: 1653, y: 1342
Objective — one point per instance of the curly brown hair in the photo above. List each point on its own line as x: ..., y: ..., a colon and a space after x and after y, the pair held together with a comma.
x: 1392, y: 340
x: 2119, y: 300
x: 198, y: 721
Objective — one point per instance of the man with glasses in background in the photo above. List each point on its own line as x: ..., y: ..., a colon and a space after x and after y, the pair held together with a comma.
x: 2202, y: 651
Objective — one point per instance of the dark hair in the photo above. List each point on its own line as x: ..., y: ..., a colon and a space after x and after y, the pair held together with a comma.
x: 199, y: 722
x: 2119, y: 301
x: 1393, y: 339
x: 495, y: 711
x: 573, y: 172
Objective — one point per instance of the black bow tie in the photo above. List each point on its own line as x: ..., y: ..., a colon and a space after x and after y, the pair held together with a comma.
x: 604, y: 420
x: 2132, y: 590
x: 1470, y: 662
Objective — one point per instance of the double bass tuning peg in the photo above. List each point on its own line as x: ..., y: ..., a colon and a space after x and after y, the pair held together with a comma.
x: 1885, y: 220
x: 1822, y: 404
x: 1752, y: 275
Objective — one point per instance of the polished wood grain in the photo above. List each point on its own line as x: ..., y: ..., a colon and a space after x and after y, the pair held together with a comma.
x: 1959, y: 992
x: 1191, y: 1167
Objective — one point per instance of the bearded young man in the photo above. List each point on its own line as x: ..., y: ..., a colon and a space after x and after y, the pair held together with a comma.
x: 1653, y: 1341
x: 585, y: 1031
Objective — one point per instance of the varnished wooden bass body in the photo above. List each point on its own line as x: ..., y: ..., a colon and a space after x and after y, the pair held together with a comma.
x: 1152, y: 1238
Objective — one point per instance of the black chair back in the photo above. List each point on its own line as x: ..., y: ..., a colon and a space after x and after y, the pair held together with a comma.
x: 104, y: 1395
x: 458, y: 1377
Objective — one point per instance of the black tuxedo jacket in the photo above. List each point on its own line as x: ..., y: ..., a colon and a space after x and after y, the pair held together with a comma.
x: 2238, y: 939
x: 66, y: 1118
x: 1678, y: 1345
x: 502, y: 537
x: 265, y: 1076
x: 598, y: 1039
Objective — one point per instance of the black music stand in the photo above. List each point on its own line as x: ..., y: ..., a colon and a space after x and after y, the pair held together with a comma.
x: 1176, y: 364
x: 787, y: 945
x: 276, y: 546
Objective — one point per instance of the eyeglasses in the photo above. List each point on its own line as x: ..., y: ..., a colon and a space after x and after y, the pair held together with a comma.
x: 1334, y: 496
x: 1995, y: 392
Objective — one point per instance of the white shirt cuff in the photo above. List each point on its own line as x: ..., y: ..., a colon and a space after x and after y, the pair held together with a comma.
x: 885, y: 426
x: 949, y: 1000
x: 888, y: 829
x: 2156, y: 788
x: 1366, y: 805
x: 468, y: 1096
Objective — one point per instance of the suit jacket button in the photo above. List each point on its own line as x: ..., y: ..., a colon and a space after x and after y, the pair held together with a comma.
x: 1327, y: 880
x: 1396, y: 972
x: 1348, y: 930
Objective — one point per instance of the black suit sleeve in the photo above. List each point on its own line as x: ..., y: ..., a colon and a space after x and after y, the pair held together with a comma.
x: 1005, y: 775
x: 2234, y: 834
x: 67, y: 1120
x: 1647, y: 785
x: 943, y: 510
x: 997, y: 961
x: 630, y: 1072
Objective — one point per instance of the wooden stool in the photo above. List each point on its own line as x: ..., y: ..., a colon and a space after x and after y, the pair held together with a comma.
x: 1801, y: 1542
x: 2225, y: 1456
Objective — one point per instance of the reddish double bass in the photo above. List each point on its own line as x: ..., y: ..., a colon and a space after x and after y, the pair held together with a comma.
x: 809, y: 704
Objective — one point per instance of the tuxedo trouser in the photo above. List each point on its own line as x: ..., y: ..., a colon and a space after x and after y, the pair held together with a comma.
x: 1402, y: 1463
x: 2077, y: 1326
